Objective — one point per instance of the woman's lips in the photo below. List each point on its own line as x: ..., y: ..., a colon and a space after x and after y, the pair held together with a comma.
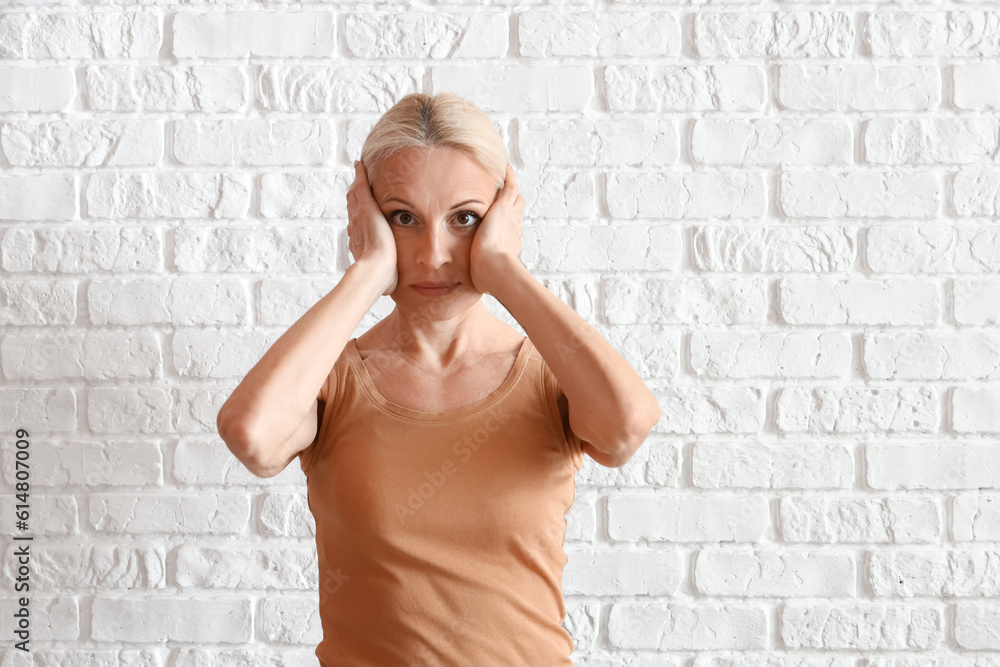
x: 436, y: 288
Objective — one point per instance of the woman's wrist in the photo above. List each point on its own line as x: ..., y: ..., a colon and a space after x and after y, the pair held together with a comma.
x: 372, y: 273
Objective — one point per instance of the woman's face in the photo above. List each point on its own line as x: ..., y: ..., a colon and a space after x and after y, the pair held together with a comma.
x: 434, y: 200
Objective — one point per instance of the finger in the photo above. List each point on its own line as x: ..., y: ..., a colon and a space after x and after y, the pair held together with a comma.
x: 361, y: 174
x: 510, y: 184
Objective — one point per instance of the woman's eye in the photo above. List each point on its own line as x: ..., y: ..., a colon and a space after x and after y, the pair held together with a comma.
x: 467, y: 218
x: 402, y: 217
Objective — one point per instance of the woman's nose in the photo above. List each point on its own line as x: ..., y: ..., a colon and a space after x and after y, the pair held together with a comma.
x: 434, y: 246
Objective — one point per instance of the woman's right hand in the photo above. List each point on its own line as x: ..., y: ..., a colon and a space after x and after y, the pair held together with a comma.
x: 369, y: 235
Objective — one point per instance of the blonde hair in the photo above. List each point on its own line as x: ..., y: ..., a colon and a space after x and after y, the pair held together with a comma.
x: 444, y: 120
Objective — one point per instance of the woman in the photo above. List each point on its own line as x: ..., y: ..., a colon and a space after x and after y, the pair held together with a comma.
x: 440, y: 447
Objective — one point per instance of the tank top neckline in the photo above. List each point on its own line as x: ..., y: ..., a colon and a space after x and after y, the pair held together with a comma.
x: 448, y: 415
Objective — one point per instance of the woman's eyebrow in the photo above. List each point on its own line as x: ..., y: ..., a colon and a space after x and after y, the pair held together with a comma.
x: 458, y: 205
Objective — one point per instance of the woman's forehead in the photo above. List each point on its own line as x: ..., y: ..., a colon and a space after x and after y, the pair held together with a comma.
x: 445, y: 170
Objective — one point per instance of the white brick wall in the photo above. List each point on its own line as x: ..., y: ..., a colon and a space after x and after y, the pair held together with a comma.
x: 785, y: 215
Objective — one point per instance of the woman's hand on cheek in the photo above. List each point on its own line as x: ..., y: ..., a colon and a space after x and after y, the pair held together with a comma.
x: 497, y: 243
x: 369, y: 235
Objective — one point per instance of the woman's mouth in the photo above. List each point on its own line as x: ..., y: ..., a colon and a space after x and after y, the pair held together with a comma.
x: 434, y: 287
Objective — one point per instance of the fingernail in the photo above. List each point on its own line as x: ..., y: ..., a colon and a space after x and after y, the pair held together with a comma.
x: 355, y: 163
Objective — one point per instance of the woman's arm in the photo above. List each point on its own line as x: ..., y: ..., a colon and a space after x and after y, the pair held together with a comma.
x: 610, y: 407
x: 266, y: 420
x: 271, y: 415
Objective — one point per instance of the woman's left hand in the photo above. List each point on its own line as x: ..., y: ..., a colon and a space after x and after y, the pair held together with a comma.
x: 498, y: 238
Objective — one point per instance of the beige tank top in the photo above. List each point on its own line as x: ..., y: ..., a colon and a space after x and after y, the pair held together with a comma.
x: 440, y: 535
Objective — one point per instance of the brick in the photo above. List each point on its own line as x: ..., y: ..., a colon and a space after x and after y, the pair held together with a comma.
x: 924, y: 356
x: 860, y: 194
x: 324, y: 89
x: 727, y: 194
x: 685, y: 88
x: 737, y: 355
x: 617, y: 572
x: 254, y: 142
x: 37, y: 302
x: 973, y: 86
x: 717, y: 409
x: 795, y: 466
x: 857, y: 410
x: 861, y: 626
x: 109, y: 143
x: 938, y: 34
x: 140, y: 409
x: 518, y: 90
x: 200, y: 88
x: 932, y: 466
x: 114, y: 463
x: 83, y: 657
x: 95, y: 356
x: 558, y: 194
x: 687, y: 518
x: 893, y: 302
x: 285, y: 567
x: 52, y: 410
x: 860, y: 87
x: 597, y: 248
x: 581, y: 521
x: 255, y: 249
x: 54, y: 619
x: 977, y: 192
x: 677, y: 300
x: 38, y: 197
x: 686, y: 627
x: 199, y: 301
x: 286, y: 515
x: 282, y: 302
x: 953, y: 573
x: 975, y: 517
x: 136, y: 566
x: 651, y: 352
x: 290, y: 621
x: 975, y: 409
x: 452, y: 34
x: 975, y: 625
x: 202, y: 657
x: 780, y: 34
x: 768, y: 660
x: 583, y: 142
x: 304, y: 195
x: 931, y: 140
x: 189, y: 514
x: 166, y: 619
x: 80, y: 35
x: 168, y: 195
x: 655, y: 459
x: 74, y: 250
x: 835, y: 519
x: 933, y: 249
x: 36, y: 89
x: 750, y: 249
x: 210, y: 354
x: 758, y: 573
x: 128, y: 302
x: 196, y: 408
x: 252, y: 34
x: 543, y: 33
x: 976, y: 301
x: 51, y: 515
x: 769, y: 141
